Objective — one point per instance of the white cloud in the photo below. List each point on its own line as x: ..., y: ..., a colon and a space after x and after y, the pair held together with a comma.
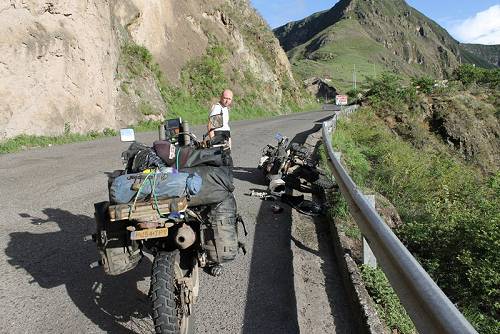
x: 483, y: 28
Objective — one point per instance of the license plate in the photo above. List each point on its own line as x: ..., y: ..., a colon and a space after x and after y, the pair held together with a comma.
x: 149, y: 233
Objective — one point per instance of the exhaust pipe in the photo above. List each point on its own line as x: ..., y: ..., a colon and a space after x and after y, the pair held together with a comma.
x: 184, y: 237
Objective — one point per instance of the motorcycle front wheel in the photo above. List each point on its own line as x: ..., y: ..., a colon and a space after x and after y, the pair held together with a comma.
x: 169, y: 311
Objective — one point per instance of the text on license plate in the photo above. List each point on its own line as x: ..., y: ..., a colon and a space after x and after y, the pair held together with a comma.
x: 149, y: 233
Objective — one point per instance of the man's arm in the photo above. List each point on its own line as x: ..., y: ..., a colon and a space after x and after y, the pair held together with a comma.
x: 215, y: 110
x: 209, y: 129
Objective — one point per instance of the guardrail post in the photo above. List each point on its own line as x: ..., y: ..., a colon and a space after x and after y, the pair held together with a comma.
x: 368, y: 256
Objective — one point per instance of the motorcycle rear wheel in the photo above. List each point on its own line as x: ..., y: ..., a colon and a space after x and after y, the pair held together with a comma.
x: 168, y: 313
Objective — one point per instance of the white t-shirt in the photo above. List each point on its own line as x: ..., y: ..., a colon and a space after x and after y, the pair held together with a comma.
x: 218, y: 109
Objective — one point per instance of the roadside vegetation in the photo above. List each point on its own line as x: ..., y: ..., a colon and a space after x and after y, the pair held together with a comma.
x: 447, y: 197
x: 24, y: 142
x: 353, y: 51
x: 203, y: 79
x: 386, y: 301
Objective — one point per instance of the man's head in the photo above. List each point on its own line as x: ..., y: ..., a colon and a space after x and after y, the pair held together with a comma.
x: 226, y: 98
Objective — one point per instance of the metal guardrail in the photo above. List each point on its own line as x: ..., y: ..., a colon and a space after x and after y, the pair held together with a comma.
x: 429, y: 308
x: 330, y: 107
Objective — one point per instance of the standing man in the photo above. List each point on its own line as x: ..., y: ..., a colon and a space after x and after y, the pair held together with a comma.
x: 218, y: 121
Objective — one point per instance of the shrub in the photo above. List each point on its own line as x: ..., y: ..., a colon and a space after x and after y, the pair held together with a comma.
x: 468, y: 74
x: 387, y: 92
x: 354, y: 95
x: 423, y: 84
x: 67, y: 128
x: 109, y: 132
x: 146, y: 109
x: 136, y: 58
x: 204, y: 78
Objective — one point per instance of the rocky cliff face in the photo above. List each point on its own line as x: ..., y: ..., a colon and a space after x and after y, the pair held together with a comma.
x: 178, y: 31
x: 61, y: 61
x: 57, y: 63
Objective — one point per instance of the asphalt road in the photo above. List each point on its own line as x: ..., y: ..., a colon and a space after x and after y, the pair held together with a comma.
x: 46, y: 208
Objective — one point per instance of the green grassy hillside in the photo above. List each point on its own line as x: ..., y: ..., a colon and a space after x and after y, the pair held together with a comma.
x: 353, y: 52
x: 372, y: 36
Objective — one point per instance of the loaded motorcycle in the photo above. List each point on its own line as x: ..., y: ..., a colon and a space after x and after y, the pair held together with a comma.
x: 290, y: 165
x: 173, y: 200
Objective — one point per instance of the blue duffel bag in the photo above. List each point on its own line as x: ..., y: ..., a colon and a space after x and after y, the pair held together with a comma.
x: 160, y: 184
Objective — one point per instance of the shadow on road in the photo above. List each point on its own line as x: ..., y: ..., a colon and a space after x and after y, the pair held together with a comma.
x: 321, y: 120
x: 249, y: 174
x: 62, y: 258
x: 271, y: 303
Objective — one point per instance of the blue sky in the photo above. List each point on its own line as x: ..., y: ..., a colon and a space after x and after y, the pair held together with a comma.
x: 471, y: 21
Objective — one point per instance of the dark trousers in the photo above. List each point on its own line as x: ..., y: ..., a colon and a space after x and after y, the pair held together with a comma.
x: 220, y: 137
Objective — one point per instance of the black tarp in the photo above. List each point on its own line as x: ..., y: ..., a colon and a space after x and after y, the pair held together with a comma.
x: 217, y: 184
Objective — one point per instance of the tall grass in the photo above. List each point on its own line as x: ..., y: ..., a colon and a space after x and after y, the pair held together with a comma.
x: 23, y: 142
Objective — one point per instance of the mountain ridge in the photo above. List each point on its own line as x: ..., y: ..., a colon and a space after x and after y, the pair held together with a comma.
x: 490, y: 53
x: 372, y: 36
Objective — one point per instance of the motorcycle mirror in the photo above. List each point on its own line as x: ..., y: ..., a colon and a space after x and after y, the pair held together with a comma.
x: 127, y: 135
x: 278, y: 136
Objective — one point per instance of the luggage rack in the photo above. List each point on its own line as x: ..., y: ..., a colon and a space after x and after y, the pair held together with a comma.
x: 146, y: 210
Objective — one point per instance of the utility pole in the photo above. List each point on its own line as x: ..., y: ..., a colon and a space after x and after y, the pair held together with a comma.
x: 354, y: 77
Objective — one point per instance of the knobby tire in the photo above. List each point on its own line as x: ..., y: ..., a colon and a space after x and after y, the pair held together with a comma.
x: 163, y: 294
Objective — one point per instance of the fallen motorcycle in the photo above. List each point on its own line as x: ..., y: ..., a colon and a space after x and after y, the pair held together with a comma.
x: 290, y: 165
x: 175, y: 201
